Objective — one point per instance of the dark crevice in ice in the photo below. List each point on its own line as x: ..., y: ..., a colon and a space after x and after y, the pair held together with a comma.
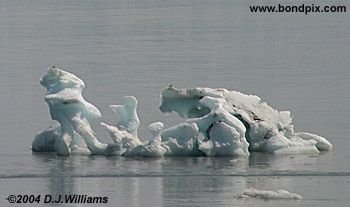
x: 247, y: 126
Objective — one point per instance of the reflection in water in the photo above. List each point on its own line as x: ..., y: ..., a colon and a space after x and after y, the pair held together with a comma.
x: 200, y: 190
x: 61, y: 184
x: 61, y: 171
x: 281, y: 163
x: 169, y: 181
x: 101, y: 176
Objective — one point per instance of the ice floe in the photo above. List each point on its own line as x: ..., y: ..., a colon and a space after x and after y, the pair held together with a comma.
x: 267, y: 194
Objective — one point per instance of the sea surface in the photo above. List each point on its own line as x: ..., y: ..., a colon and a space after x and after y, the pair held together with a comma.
x: 294, y: 62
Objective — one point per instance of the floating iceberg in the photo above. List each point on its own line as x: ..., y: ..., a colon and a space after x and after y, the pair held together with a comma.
x: 219, y: 123
x: 267, y: 194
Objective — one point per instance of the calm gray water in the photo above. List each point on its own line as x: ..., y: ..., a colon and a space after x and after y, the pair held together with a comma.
x: 294, y: 62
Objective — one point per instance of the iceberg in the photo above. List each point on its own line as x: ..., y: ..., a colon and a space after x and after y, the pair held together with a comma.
x: 218, y: 123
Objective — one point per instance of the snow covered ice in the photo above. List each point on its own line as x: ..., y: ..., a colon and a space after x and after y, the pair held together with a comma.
x: 219, y: 123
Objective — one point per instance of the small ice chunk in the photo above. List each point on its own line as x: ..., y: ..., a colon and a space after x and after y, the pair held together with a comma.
x: 268, y: 194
